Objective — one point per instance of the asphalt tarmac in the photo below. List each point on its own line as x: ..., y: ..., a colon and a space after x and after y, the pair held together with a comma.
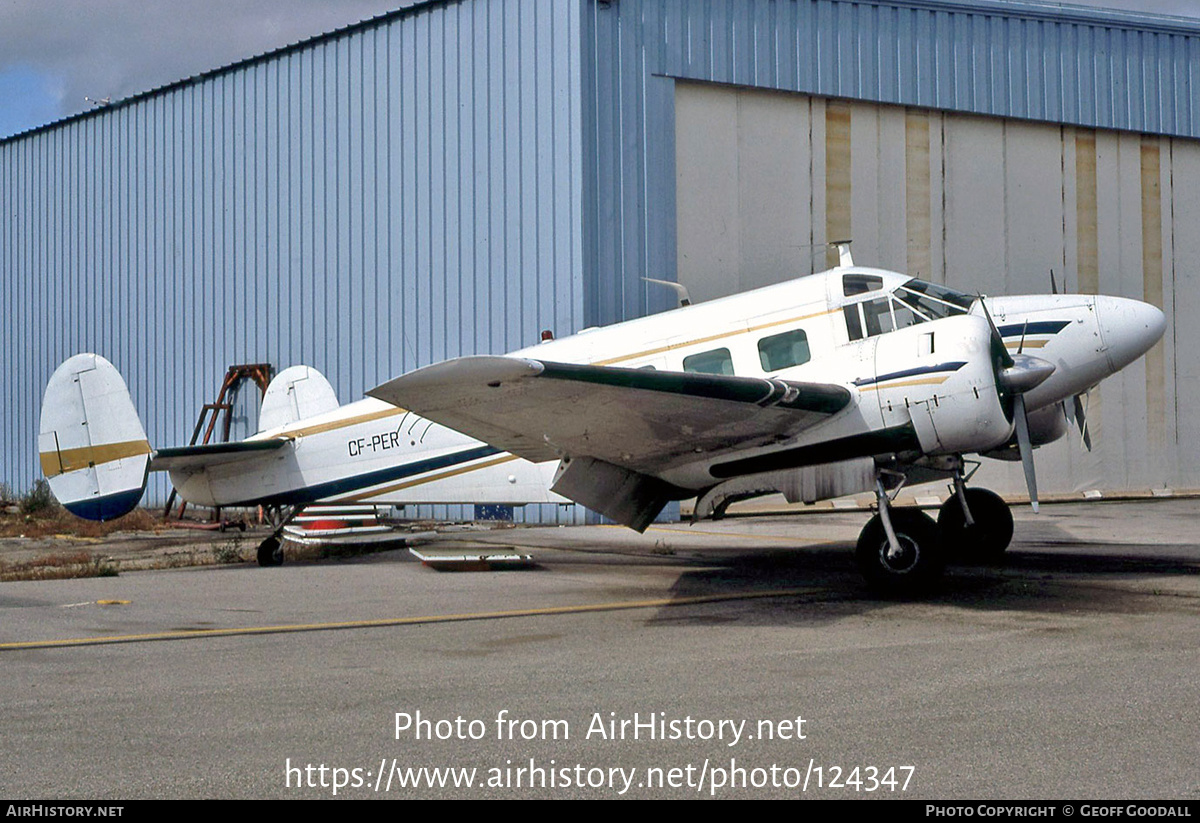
x: 742, y: 658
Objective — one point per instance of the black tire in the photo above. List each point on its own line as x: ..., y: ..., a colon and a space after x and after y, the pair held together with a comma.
x: 270, y: 552
x: 986, y: 541
x: 920, y: 563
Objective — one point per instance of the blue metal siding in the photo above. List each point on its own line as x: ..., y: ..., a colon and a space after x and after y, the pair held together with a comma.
x: 1101, y: 69
x: 364, y: 203
x: 453, y: 177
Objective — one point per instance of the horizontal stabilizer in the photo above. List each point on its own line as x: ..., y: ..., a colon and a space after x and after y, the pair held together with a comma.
x: 182, y: 458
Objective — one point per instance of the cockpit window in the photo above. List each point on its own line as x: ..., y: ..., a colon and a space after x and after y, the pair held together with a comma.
x: 855, y: 284
x: 914, y: 302
x: 934, y: 300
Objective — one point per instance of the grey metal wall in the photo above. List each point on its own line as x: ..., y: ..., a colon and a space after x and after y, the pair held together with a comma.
x: 979, y: 203
x: 1034, y: 61
x: 401, y: 192
x: 457, y: 175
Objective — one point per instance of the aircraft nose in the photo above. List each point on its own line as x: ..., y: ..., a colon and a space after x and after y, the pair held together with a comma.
x: 1128, y: 328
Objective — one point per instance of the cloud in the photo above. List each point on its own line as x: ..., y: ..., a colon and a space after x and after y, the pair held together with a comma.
x: 72, y: 49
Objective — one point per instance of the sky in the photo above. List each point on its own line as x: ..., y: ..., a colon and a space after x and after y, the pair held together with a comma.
x: 55, y: 55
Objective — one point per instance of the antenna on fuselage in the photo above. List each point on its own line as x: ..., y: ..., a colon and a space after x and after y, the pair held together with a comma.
x: 844, y: 257
x: 843, y: 247
x: 679, y: 289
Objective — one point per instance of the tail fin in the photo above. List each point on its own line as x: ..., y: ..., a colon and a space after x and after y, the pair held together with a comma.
x: 295, y: 393
x: 92, y: 445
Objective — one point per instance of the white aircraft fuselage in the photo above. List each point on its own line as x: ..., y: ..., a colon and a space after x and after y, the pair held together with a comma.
x: 857, y: 369
x: 927, y: 380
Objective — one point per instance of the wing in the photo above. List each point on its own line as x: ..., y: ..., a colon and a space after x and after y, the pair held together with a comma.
x: 642, y: 420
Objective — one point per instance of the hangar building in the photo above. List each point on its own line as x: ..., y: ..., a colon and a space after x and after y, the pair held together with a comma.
x: 456, y: 176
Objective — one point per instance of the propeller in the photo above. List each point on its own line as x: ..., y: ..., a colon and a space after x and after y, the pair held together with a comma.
x: 1080, y: 415
x: 1017, y: 374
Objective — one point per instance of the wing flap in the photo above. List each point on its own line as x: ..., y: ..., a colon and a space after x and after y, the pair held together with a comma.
x: 644, y: 420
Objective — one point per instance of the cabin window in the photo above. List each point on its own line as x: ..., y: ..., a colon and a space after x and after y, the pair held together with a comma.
x: 782, y: 351
x: 716, y: 361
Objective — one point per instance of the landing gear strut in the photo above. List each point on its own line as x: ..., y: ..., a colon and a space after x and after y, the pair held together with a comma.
x: 975, y: 523
x: 899, y: 550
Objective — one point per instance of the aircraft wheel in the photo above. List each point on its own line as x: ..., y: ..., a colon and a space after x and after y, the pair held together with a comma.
x: 988, y: 538
x: 270, y: 552
x: 919, y: 563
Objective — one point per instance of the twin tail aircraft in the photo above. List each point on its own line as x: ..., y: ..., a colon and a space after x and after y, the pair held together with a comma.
x: 853, y: 380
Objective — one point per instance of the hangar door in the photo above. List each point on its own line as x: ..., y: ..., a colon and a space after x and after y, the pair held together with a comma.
x: 978, y: 203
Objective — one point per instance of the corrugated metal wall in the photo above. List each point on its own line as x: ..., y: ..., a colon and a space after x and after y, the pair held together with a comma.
x: 455, y: 176
x: 1017, y: 60
x: 979, y: 203
x: 1031, y: 61
x: 402, y: 192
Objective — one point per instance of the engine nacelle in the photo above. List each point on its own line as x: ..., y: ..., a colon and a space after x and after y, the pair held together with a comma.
x: 1046, y: 425
x: 941, y: 376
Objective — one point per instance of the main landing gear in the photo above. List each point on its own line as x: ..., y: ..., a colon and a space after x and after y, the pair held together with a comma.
x: 899, y: 550
x: 902, y: 551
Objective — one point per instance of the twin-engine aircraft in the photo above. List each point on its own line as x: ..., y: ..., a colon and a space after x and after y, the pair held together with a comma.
x: 848, y: 381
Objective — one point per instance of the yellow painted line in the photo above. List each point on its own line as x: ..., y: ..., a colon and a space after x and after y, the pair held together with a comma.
x: 194, y: 634
x: 1029, y: 344
x: 710, y: 338
x: 423, y: 480
x: 68, y: 460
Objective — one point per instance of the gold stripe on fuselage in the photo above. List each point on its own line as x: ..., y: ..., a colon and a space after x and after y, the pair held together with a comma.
x: 320, y: 428
x: 710, y: 338
x: 68, y: 460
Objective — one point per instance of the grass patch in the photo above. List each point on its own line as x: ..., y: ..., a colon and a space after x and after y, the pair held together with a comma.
x: 38, y: 520
x: 59, y: 566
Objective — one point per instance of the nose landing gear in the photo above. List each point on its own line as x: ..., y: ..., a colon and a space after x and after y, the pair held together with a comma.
x: 987, y: 535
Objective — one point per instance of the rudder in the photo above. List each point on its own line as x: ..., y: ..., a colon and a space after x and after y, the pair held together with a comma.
x: 92, y: 446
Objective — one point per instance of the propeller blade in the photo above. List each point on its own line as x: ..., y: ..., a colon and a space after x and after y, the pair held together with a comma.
x: 1026, y: 448
x: 1006, y: 360
x: 1081, y: 421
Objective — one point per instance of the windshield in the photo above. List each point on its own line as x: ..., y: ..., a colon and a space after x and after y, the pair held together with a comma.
x: 934, y: 300
x: 914, y: 302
